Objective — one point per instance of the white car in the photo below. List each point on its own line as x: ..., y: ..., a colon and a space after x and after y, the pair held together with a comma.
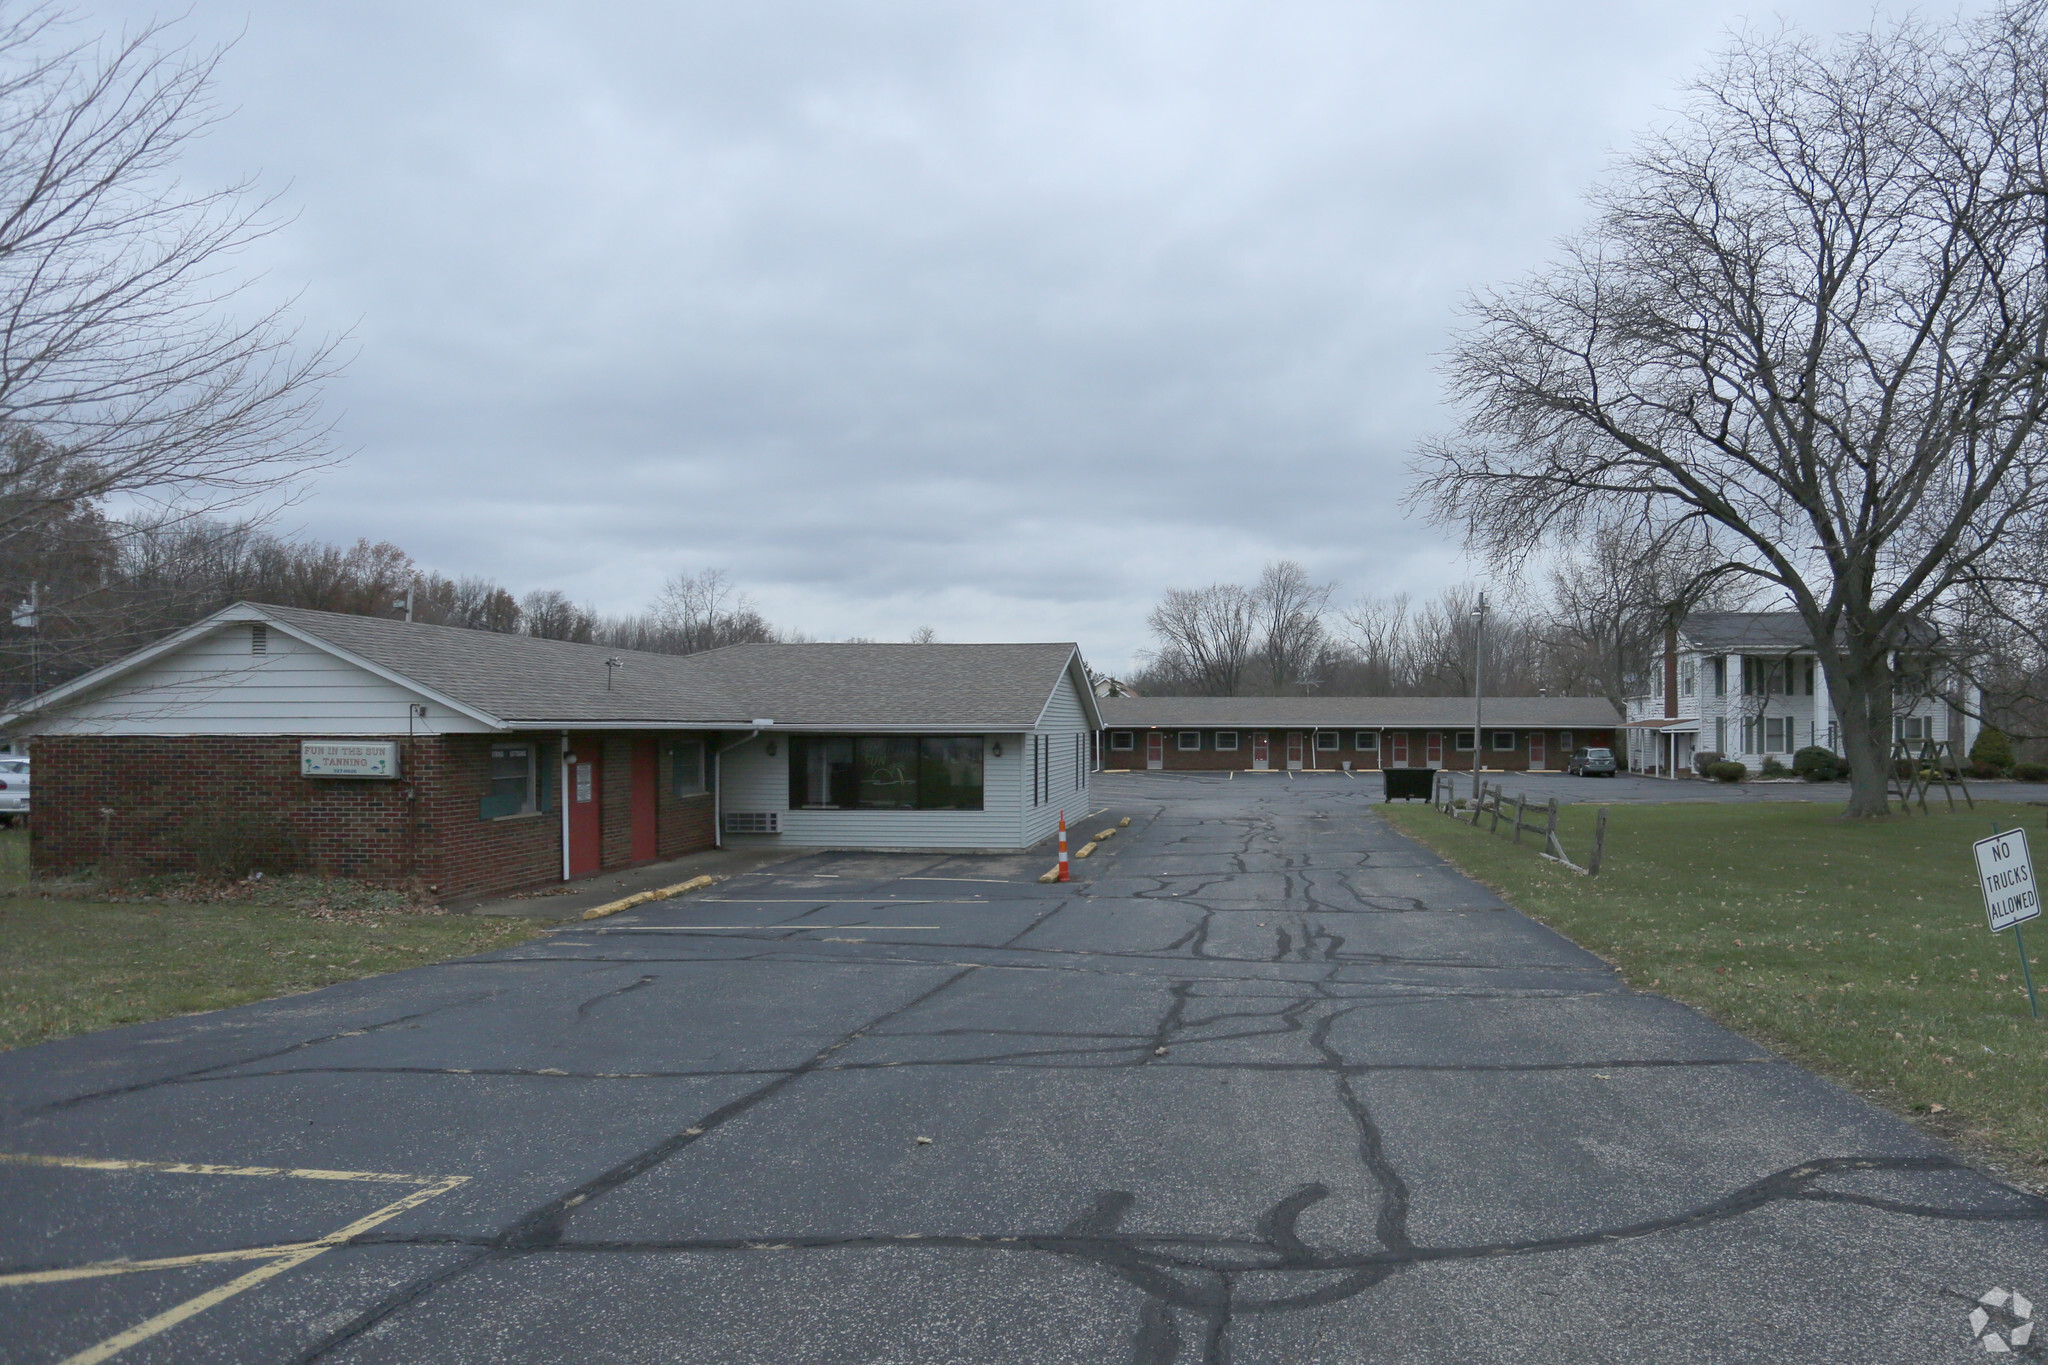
x: 13, y: 789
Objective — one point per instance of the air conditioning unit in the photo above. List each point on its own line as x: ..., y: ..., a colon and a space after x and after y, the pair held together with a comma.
x: 753, y: 822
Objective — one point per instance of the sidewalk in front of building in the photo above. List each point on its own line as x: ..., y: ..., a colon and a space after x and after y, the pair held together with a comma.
x: 571, y: 899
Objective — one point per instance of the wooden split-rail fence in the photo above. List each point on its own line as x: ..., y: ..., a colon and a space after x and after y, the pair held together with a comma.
x: 1521, y: 817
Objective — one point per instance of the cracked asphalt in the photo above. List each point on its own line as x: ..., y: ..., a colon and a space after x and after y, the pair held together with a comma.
x: 1268, y: 1082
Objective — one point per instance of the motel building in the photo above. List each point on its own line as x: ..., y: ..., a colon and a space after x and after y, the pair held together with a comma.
x: 1748, y: 686
x: 479, y: 763
x: 1307, y: 734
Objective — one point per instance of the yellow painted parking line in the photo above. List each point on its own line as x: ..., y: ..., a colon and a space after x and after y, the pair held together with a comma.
x: 277, y: 1259
x: 97, y: 1269
x: 94, y: 1163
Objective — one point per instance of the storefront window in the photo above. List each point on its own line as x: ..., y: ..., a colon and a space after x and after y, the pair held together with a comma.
x: 885, y: 772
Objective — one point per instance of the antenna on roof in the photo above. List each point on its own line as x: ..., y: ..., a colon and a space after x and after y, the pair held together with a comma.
x: 610, y: 664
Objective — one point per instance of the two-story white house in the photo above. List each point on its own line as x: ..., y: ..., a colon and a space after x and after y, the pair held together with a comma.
x: 1747, y: 685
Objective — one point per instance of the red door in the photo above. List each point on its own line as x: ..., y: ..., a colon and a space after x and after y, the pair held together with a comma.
x: 1294, y: 748
x: 586, y: 806
x: 1400, y: 757
x: 1155, y: 749
x: 1259, y: 759
x: 644, y: 829
x: 1436, y: 749
x: 1535, y: 750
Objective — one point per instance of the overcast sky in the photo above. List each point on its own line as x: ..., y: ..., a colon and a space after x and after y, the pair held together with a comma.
x: 998, y: 318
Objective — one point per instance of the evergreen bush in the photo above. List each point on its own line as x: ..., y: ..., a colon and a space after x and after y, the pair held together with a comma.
x: 1817, y: 764
x: 1992, y: 750
x: 1727, y: 771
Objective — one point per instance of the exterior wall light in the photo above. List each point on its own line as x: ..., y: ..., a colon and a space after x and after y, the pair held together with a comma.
x: 771, y: 748
x: 998, y: 749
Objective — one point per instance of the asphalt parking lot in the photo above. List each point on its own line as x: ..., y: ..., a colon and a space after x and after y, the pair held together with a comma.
x: 1267, y: 1083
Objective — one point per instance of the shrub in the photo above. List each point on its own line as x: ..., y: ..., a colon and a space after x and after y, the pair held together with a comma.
x: 1727, y: 771
x: 2030, y: 772
x: 1992, y: 748
x: 1704, y: 760
x: 236, y: 845
x: 1983, y: 771
x: 1816, y: 764
x: 1773, y: 768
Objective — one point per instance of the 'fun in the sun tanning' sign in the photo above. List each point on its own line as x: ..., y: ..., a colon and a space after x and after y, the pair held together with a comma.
x: 348, y: 758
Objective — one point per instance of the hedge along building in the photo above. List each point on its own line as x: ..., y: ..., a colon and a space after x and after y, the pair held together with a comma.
x: 478, y: 762
x: 1260, y: 734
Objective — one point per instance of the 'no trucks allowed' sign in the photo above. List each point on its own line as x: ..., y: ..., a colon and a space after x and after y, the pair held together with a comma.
x: 2006, y: 872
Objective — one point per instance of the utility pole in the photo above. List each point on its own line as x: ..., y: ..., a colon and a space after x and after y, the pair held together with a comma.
x: 1478, y: 690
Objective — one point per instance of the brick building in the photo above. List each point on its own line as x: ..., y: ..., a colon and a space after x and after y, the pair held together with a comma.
x: 1259, y: 734
x: 477, y: 762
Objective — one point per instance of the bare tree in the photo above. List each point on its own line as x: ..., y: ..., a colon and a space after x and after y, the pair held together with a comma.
x: 125, y: 369
x: 1206, y: 636
x: 704, y: 610
x: 1614, y: 597
x: 1813, y: 314
x: 1290, y: 609
x: 924, y: 635
x: 550, y: 614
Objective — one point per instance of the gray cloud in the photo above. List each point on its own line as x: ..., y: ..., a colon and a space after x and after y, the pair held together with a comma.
x: 998, y: 318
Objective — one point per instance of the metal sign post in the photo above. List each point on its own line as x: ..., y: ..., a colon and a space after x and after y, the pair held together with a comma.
x: 2005, y: 872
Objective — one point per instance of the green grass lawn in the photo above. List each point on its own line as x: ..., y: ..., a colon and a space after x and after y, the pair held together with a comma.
x: 71, y: 966
x: 1857, y: 948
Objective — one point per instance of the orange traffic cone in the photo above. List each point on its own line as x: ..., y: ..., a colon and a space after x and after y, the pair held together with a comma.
x: 1063, y: 846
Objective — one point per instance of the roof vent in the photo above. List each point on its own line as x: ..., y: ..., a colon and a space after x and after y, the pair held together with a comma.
x: 259, y: 639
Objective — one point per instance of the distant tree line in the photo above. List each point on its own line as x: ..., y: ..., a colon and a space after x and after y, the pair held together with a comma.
x: 1595, y: 629
x: 83, y: 589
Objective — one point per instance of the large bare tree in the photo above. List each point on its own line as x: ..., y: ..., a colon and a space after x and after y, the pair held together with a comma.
x: 1812, y: 314
x: 1207, y: 636
x: 136, y: 360
x: 1290, y: 609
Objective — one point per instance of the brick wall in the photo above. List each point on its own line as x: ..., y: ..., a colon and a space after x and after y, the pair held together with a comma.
x: 463, y: 854
x: 1211, y: 759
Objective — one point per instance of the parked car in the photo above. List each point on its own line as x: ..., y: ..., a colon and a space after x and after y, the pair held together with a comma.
x: 13, y: 789
x: 1591, y: 763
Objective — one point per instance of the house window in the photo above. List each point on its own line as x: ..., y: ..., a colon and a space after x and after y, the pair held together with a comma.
x: 1122, y: 741
x: 1808, y: 670
x: 1720, y: 734
x: 1778, y: 735
x: 1504, y: 741
x: 1717, y: 669
x: 1914, y: 727
x: 1750, y: 728
x: 1189, y: 740
x: 1462, y: 741
x: 512, y: 786
x: 686, y: 767
x: 1688, y: 670
x: 1366, y: 741
x: 1328, y: 741
x: 1226, y: 739
x: 1564, y: 740
x: 885, y: 772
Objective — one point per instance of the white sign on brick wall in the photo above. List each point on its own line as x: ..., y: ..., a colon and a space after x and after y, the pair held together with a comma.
x: 348, y: 758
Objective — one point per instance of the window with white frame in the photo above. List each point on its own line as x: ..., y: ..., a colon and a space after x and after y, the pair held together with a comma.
x: 1564, y: 740
x: 1505, y: 742
x: 1226, y: 739
x: 1777, y: 734
x: 686, y: 767
x: 1366, y: 741
x: 1188, y: 740
x: 1914, y: 727
x: 1462, y: 741
x: 1688, y: 671
x: 1328, y: 741
x: 1122, y: 741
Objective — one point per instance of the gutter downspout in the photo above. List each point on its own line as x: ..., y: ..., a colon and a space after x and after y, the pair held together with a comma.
x: 718, y: 788
x: 562, y: 796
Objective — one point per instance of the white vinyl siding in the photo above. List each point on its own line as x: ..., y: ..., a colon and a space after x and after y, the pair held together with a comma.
x: 215, y: 686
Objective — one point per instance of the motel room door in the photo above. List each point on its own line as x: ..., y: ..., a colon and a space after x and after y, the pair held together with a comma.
x: 645, y: 833
x: 1436, y: 749
x: 1155, y: 750
x: 1398, y: 756
x: 1535, y: 751
x: 586, y: 805
x: 1260, y: 761
x: 1294, y: 750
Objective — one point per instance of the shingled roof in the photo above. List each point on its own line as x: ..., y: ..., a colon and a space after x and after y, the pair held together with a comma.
x: 1356, y: 713
x: 1770, y: 632
x: 520, y: 680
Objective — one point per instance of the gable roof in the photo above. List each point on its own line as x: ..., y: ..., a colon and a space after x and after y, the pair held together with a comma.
x: 1768, y: 632
x: 521, y: 681
x: 1358, y: 713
